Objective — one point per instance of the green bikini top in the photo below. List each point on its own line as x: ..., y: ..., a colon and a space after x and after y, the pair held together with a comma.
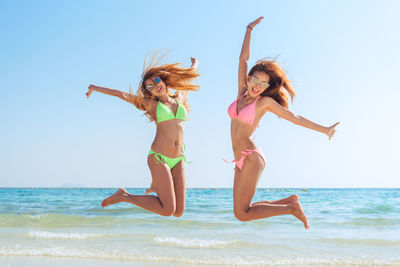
x: 164, y: 113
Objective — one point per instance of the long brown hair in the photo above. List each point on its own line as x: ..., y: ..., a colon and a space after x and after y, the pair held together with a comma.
x: 280, y: 87
x: 173, y: 75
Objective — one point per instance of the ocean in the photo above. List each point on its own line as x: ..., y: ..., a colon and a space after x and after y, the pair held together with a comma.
x: 64, y: 227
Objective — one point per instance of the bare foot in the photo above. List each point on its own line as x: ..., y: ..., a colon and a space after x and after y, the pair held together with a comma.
x: 292, y: 198
x: 150, y: 190
x: 299, y: 213
x: 114, y: 198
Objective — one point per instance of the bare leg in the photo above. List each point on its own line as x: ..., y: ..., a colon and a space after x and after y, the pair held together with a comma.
x: 164, y: 203
x: 292, y: 198
x: 178, y: 176
x: 244, y: 187
x: 151, y: 189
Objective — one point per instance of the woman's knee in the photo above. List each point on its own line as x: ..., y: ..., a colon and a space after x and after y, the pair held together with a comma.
x: 241, y: 214
x: 179, y: 212
x: 168, y: 210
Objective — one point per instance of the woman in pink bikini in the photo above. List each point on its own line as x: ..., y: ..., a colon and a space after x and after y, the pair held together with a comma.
x: 265, y: 88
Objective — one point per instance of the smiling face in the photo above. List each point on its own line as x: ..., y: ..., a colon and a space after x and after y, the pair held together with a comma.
x: 156, y: 86
x: 257, y: 83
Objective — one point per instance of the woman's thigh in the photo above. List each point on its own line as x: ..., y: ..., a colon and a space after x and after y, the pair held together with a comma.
x: 163, y: 182
x: 246, y: 180
x: 179, y: 179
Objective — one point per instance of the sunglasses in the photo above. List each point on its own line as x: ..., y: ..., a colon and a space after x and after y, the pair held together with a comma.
x: 255, y: 81
x: 156, y: 80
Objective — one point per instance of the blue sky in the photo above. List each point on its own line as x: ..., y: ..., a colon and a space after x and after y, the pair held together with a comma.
x: 342, y: 56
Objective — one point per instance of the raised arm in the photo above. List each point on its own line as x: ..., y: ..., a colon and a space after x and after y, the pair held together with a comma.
x: 274, y: 107
x: 244, y: 57
x: 183, y: 95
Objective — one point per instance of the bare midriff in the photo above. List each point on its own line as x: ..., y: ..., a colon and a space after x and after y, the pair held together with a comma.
x: 240, y: 134
x: 169, y: 138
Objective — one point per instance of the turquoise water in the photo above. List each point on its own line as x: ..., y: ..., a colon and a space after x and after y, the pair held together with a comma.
x: 348, y: 227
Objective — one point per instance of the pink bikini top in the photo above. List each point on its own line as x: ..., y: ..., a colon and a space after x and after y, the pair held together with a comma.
x: 247, y: 114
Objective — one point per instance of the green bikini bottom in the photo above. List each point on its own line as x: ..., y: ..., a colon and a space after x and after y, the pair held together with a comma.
x: 171, y: 162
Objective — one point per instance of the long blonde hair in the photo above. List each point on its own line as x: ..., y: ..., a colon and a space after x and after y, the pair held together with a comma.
x: 173, y: 75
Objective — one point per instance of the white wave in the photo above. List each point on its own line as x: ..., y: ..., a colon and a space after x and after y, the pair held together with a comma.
x: 50, y: 235
x: 193, y: 243
x: 52, y: 252
x: 221, y: 260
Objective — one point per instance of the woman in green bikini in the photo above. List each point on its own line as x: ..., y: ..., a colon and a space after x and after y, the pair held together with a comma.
x: 166, y: 158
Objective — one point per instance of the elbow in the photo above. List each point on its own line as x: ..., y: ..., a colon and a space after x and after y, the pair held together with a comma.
x: 296, y: 119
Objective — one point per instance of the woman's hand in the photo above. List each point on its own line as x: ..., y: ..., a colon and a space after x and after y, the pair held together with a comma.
x: 331, y: 130
x: 254, y: 23
x: 91, y: 89
x: 195, y: 62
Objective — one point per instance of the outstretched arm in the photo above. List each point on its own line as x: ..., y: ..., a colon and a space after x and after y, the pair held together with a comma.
x: 183, y: 95
x: 271, y: 105
x: 244, y: 57
x: 123, y: 95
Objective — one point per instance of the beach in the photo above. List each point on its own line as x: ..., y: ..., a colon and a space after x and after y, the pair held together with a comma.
x: 48, y: 227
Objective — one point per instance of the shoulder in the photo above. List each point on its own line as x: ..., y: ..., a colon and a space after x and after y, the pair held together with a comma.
x: 181, y: 96
x: 178, y: 95
x: 266, y: 101
x: 149, y: 103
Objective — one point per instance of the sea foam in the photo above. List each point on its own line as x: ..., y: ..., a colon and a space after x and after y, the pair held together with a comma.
x: 237, y: 260
x: 193, y: 243
x: 51, y: 235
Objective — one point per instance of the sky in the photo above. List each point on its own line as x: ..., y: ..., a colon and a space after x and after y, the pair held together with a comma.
x: 343, y: 58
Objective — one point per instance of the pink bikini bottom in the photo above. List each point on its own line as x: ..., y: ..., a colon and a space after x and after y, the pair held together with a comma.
x: 245, y: 153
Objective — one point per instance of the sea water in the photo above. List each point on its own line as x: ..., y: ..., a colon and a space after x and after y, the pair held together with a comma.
x: 64, y: 227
